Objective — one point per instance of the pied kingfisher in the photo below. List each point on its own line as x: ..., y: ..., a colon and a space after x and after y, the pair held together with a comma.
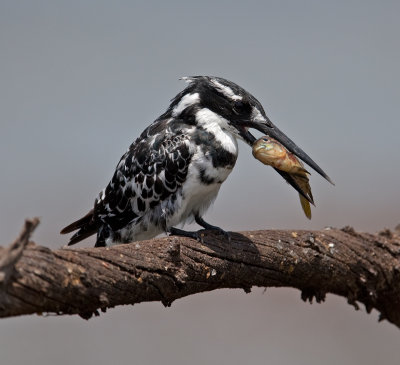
x: 173, y: 172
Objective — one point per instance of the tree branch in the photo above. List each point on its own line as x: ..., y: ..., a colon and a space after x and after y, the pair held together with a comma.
x: 359, y: 266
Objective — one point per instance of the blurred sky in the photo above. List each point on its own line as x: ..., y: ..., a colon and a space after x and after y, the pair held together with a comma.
x: 80, y: 80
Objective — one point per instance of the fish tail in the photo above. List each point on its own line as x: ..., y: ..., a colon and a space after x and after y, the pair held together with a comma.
x: 305, y: 204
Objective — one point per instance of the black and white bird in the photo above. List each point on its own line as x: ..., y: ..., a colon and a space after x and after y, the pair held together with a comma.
x: 173, y: 172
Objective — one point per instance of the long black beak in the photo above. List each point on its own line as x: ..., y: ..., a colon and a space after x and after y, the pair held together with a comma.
x: 271, y: 130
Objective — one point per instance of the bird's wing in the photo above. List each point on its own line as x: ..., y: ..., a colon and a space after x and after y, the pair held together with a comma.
x: 151, y: 171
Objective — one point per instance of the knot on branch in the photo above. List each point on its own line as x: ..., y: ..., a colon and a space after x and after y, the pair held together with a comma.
x: 10, y: 255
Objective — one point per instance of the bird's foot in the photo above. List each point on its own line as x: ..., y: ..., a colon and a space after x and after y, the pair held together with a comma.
x: 190, y: 234
x: 201, y: 222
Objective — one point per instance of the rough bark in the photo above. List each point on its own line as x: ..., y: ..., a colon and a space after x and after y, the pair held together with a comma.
x: 362, y: 267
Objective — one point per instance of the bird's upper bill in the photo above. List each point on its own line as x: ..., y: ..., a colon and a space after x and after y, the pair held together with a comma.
x: 243, y: 111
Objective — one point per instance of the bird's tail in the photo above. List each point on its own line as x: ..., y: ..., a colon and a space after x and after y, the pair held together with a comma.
x: 86, y: 226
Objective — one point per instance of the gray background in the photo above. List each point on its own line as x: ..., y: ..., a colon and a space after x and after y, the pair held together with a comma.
x: 79, y: 80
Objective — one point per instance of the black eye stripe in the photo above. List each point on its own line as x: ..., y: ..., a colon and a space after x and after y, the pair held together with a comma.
x: 241, y: 106
x: 238, y: 104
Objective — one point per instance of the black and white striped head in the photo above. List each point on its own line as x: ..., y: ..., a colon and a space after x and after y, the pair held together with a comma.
x: 209, y: 100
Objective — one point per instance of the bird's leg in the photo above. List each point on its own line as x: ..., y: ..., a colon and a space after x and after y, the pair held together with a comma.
x: 201, y: 222
x: 180, y: 232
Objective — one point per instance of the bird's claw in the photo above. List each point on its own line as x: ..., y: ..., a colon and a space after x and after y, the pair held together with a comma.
x: 199, y: 235
x: 220, y: 231
x: 190, y: 234
x: 200, y: 221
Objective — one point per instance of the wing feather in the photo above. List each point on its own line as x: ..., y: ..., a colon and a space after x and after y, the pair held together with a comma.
x: 151, y: 171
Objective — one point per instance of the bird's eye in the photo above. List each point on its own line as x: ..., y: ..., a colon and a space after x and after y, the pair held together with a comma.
x: 239, y: 106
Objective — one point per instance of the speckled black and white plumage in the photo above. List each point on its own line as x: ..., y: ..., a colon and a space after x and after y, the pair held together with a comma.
x: 174, y: 170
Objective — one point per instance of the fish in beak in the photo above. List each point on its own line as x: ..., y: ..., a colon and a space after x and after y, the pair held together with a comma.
x: 270, y: 152
x: 267, y: 127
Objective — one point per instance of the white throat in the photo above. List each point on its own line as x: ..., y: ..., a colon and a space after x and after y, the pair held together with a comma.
x: 219, y: 127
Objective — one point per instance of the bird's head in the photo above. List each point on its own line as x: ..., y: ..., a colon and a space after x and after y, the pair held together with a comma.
x: 209, y: 99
